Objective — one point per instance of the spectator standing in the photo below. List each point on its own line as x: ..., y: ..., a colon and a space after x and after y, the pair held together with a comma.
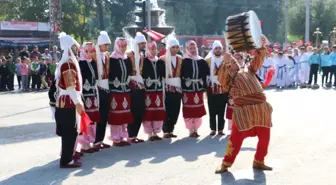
x: 55, y: 54
x: 24, y: 70
x: 35, y: 53
x: 43, y: 73
x: 3, y: 75
x: 11, y: 73
x: 46, y: 53
x: 18, y: 71
x: 35, y: 73
x: 24, y: 52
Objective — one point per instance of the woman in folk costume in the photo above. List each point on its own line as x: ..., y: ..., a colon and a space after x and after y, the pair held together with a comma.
x: 194, y: 74
x: 173, y: 90
x: 137, y: 88
x: 90, y: 94
x: 153, y: 73
x: 252, y: 114
x: 120, y: 98
x: 102, y: 58
x: 216, y: 98
x: 69, y: 103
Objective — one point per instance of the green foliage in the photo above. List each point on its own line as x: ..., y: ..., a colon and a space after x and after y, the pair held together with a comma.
x: 322, y: 16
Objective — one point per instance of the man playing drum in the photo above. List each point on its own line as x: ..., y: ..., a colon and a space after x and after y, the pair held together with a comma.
x: 251, y: 113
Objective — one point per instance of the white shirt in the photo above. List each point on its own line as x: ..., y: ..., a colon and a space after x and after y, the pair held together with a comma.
x: 218, y: 61
x: 103, y: 57
x: 173, y: 60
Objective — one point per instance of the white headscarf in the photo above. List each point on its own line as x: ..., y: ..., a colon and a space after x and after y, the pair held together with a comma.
x: 66, y: 42
x: 117, y: 54
x: 192, y: 56
x: 139, y: 38
x: 170, y: 43
x: 211, y: 55
x: 149, y: 55
x: 102, y: 39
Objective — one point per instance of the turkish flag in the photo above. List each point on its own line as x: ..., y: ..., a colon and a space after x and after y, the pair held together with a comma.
x: 260, y: 22
x: 84, y: 123
x: 156, y: 36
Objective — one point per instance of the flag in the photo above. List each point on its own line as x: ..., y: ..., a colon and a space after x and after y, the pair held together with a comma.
x: 84, y: 123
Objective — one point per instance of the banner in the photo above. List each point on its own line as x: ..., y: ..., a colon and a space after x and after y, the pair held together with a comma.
x: 19, y: 26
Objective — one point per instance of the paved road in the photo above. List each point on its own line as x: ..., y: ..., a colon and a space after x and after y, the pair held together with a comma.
x: 302, y: 148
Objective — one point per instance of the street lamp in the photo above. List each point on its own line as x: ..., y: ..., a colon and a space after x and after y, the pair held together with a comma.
x: 333, y: 37
x: 317, y: 35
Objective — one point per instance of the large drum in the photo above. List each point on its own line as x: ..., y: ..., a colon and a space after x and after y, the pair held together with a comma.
x: 243, y: 31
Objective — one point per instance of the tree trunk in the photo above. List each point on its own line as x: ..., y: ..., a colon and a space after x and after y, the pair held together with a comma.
x: 100, y: 14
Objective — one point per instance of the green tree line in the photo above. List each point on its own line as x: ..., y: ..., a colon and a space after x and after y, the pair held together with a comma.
x: 85, y: 18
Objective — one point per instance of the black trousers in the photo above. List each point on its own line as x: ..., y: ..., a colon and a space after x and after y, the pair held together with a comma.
x: 173, y: 106
x: 67, y: 129
x: 313, y: 72
x: 217, y: 104
x: 138, y: 109
x: 3, y: 82
x: 103, y: 110
x: 19, y: 81
x: 36, y: 81
x: 326, y: 70
x: 333, y: 73
x: 10, y: 82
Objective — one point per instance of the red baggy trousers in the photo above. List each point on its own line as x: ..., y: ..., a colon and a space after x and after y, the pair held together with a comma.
x: 236, y: 140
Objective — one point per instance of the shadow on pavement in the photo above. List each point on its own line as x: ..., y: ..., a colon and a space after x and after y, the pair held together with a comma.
x: 40, y: 175
x: 190, y: 149
x: 24, y: 112
x: 29, y: 132
x: 259, y: 178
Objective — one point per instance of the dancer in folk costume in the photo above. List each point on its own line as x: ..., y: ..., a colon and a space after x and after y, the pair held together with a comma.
x: 173, y: 90
x: 120, y: 97
x: 194, y: 73
x: 137, y: 88
x: 69, y: 103
x: 230, y: 104
x: 102, y: 59
x: 252, y: 114
x: 90, y: 94
x: 153, y: 72
x: 216, y: 98
x: 305, y: 65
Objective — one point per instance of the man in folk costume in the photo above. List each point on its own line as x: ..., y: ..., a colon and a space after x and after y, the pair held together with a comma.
x: 137, y: 88
x: 120, y: 93
x: 153, y: 73
x: 90, y: 93
x: 69, y: 103
x: 194, y: 73
x: 252, y: 114
x: 216, y: 98
x: 173, y: 90
x: 102, y: 59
